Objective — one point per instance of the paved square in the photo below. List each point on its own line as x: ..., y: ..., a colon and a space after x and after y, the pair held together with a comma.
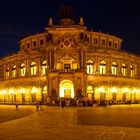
x: 55, y: 123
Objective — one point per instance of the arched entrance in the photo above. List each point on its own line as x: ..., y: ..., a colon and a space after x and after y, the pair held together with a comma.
x: 90, y: 92
x: 66, y: 89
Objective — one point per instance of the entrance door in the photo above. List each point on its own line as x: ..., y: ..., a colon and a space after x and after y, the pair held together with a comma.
x: 66, y: 89
x: 67, y: 93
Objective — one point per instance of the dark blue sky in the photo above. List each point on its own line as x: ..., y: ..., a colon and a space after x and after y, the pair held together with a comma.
x: 20, y: 18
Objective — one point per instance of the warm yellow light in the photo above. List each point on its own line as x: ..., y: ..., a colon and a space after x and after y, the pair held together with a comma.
x: 3, y: 92
x: 34, y: 90
x: 101, y: 89
x: 11, y: 91
x: 134, y: 90
x: 22, y: 90
x: 61, y: 92
x: 66, y: 85
x: 72, y: 93
x: 125, y: 90
x: 114, y: 90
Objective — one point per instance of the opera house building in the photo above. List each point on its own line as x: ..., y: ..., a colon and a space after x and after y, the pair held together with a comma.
x: 67, y: 61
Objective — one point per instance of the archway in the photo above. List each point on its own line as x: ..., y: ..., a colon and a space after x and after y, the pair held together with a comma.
x: 90, y: 92
x: 66, y: 89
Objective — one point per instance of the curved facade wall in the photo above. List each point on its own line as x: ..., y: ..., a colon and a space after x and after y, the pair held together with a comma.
x: 69, y: 62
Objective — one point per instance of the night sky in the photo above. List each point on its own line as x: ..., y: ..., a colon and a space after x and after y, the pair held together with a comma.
x: 19, y: 19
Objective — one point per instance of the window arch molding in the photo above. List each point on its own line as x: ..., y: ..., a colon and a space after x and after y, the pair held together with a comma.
x: 114, y: 68
x: 90, y: 66
x: 132, y: 72
x: 7, y: 71
x: 102, y: 67
x: 14, y: 71
x: 22, y: 69
x: 44, y: 67
x: 33, y: 68
x: 124, y: 69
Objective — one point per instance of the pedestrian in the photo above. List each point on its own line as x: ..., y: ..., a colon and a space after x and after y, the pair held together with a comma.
x: 63, y: 104
x: 16, y: 106
x: 37, y: 106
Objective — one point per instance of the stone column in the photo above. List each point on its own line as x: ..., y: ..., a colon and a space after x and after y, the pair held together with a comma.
x: 119, y: 68
x: 54, y: 59
x: 27, y: 66
x: 50, y: 59
x: 109, y: 72
x: 97, y: 65
x: 81, y: 65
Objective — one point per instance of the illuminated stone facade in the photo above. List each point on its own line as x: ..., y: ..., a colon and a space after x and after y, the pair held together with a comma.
x: 67, y: 61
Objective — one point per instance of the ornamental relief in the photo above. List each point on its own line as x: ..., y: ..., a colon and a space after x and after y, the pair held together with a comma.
x: 66, y: 56
x: 67, y: 42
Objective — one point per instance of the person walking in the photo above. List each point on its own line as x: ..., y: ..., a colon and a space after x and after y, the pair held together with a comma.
x: 63, y: 104
x: 37, y: 106
x: 16, y: 106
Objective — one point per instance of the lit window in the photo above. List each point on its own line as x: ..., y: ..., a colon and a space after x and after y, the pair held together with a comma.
x: 66, y: 67
x: 44, y: 67
x: 14, y: 71
x: 131, y: 71
x: 33, y: 68
x: 114, y: 68
x: 7, y: 73
x: 90, y: 67
x: 102, y: 67
x: 123, y: 69
x: 22, y: 70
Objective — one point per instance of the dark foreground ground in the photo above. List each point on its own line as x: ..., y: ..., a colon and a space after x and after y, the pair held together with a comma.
x: 54, y: 123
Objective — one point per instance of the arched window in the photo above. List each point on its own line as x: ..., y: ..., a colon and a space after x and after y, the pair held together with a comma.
x: 22, y: 69
x: 33, y: 68
x: 90, y: 67
x: 114, y: 68
x: 131, y: 71
x: 102, y: 67
x: 14, y: 71
x: 44, y: 67
x: 7, y: 73
x: 124, y: 69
